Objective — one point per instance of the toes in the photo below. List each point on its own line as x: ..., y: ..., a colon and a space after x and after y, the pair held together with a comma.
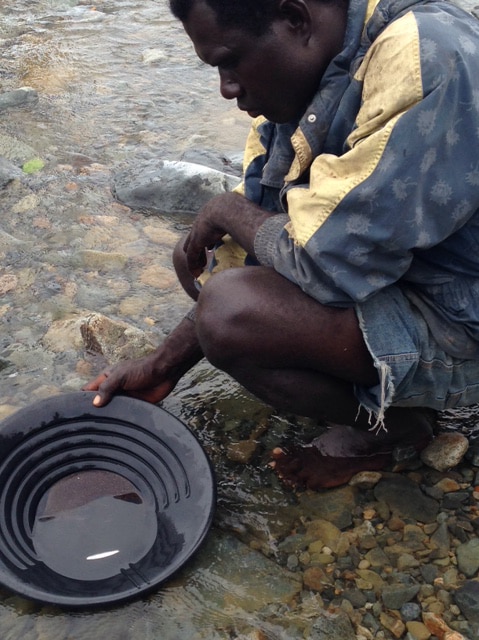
x: 277, y: 453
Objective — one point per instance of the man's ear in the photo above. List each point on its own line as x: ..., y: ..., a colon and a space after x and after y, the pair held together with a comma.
x: 298, y: 16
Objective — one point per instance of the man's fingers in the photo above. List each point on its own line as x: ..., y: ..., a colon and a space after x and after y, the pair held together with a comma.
x: 98, y: 400
x: 100, y: 384
x: 196, y: 261
x: 93, y: 385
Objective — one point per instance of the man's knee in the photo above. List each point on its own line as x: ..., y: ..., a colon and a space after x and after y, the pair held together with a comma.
x: 221, y: 317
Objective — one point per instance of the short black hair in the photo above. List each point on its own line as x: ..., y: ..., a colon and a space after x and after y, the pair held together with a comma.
x: 255, y: 16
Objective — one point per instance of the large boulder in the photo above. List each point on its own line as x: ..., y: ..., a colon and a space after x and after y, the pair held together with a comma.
x: 170, y: 186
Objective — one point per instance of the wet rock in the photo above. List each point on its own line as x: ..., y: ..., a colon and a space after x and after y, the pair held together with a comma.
x: 392, y: 624
x: 8, y: 172
x: 25, y: 96
x: 440, y: 541
x: 50, y: 626
x: 64, y: 335
x: 472, y: 454
x: 410, y: 611
x: 99, y: 335
x: 271, y: 583
x: 365, y: 479
x: 150, y: 56
x: 15, y: 150
x: 322, y: 533
x: 467, y: 599
x: 113, y: 339
x: 406, y: 499
x: 336, y: 505
x: 417, y: 631
x: 369, y: 581
x: 406, y: 562
x: 377, y: 558
x: 242, y: 452
x: 447, y: 485
x: 468, y: 557
x: 99, y: 260
x: 7, y: 410
x: 396, y: 595
x: 316, y: 579
x: 8, y: 282
x: 439, y: 628
x: 332, y: 626
x: 159, y: 277
x: 210, y: 158
x: 455, y: 500
x: 356, y: 597
x: 445, y: 451
x: 170, y: 186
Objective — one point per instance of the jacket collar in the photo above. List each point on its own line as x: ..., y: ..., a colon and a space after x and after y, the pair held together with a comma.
x: 294, y: 146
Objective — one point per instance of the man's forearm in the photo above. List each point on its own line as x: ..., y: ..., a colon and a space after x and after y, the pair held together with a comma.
x: 180, y: 351
x: 241, y: 218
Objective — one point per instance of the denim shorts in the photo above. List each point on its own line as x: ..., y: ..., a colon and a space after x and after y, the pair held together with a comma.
x: 414, y: 371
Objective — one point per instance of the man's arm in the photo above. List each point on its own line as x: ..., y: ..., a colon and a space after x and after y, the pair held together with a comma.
x: 154, y: 376
x: 406, y: 180
x: 229, y: 213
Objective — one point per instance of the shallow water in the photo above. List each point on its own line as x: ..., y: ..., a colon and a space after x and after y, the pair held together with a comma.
x: 118, y: 83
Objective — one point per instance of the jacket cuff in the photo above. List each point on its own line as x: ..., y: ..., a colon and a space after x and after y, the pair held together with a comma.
x: 266, y: 239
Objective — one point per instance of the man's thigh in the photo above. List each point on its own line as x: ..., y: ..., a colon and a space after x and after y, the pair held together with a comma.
x: 256, y: 311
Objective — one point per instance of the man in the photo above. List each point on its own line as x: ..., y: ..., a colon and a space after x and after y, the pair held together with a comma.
x: 357, y: 226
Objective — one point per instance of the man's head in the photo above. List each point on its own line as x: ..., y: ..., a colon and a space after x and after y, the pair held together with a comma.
x: 270, y: 54
x: 252, y: 15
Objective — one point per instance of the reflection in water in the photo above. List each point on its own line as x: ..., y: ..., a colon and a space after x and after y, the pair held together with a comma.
x: 93, y: 525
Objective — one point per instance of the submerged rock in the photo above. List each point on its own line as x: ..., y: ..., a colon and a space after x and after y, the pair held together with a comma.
x: 332, y: 626
x: 467, y: 598
x: 445, y: 451
x: 99, y: 335
x: 406, y: 499
x: 24, y: 96
x: 8, y: 172
x: 113, y: 339
x: 15, y: 150
x: 170, y: 186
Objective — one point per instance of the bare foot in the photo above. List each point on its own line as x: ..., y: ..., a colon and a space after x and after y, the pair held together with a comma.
x: 332, y: 459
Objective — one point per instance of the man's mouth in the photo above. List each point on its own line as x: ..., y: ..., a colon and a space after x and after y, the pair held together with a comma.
x: 253, y: 113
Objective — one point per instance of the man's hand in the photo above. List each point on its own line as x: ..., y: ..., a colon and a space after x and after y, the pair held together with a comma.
x: 154, y: 376
x: 229, y: 213
x: 135, y: 378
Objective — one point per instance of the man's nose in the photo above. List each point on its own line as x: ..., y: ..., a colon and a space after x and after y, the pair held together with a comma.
x: 230, y: 88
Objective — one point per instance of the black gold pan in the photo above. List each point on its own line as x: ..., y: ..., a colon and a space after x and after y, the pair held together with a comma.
x: 98, y: 505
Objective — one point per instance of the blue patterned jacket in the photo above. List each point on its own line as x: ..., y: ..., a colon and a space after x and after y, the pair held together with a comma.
x: 378, y: 183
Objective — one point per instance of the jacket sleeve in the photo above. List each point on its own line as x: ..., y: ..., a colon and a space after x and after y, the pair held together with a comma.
x: 408, y: 177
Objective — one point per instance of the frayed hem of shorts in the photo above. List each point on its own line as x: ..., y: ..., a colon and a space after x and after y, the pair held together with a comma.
x: 376, y: 414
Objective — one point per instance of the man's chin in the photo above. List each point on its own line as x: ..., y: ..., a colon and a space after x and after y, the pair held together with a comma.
x: 276, y: 118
